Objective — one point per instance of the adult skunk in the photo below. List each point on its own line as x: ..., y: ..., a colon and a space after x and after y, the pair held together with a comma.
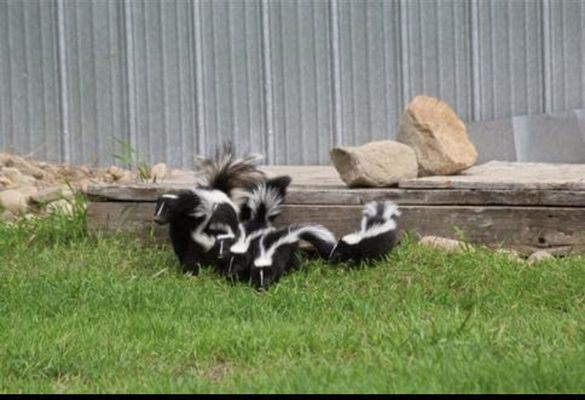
x: 198, y: 216
x: 376, y: 237
x: 259, y: 209
x: 277, y: 252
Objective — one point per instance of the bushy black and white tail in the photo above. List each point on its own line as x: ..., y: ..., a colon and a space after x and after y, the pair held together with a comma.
x: 376, y: 237
x: 321, y: 238
x: 228, y: 173
x: 317, y: 235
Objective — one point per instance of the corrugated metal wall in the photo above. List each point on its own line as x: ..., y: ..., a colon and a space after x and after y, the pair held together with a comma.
x: 289, y: 79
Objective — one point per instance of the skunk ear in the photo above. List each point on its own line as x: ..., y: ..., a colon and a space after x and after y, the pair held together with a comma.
x: 279, y: 183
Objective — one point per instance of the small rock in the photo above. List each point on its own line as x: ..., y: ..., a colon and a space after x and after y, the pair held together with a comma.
x: 7, y: 216
x: 62, y: 206
x: 24, y: 166
x: 449, y: 245
x: 158, y: 172
x: 128, y: 177
x: 512, y: 255
x: 376, y: 164
x: 17, y: 177
x: 437, y: 135
x: 28, y: 191
x: 539, y: 256
x: 14, y: 201
x: 83, y: 185
x: 5, y: 182
x: 116, y: 172
x: 85, y: 170
x: 51, y: 194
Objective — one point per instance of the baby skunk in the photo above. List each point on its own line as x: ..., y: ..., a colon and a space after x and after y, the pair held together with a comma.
x: 277, y: 252
x: 259, y: 209
x: 376, y: 237
x: 177, y: 211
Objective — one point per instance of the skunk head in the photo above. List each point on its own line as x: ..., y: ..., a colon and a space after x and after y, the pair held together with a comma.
x: 264, y: 203
x: 378, y: 213
x: 171, y: 206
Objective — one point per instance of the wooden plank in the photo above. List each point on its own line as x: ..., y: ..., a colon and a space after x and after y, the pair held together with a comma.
x: 494, y: 183
x: 313, y: 195
x: 508, y: 175
x: 522, y: 228
x: 324, y: 176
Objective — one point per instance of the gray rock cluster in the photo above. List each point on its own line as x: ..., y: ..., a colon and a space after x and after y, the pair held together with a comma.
x: 432, y: 140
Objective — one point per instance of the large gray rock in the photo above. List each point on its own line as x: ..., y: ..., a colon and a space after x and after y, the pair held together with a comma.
x: 437, y: 135
x: 375, y: 164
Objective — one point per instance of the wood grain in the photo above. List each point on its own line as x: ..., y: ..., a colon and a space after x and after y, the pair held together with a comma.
x: 522, y: 228
x: 508, y: 175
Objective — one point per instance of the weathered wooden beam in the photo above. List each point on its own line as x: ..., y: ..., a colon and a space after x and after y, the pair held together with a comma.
x: 344, y: 196
x: 508, y: 175
x: 522, y: 228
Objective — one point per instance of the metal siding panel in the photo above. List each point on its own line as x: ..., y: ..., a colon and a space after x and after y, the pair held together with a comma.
x: 510, y: 66
x: 302, y: 92
x: 370, y: 72
x: 232, y: 90
x: 438, y: 52
x: 95, y: 90
x: 29, y: 104
x: 567, y: 56
x: 288, y: 79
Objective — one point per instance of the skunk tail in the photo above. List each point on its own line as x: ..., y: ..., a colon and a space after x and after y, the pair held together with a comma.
x: 229, y: 174
x: 320, y: 238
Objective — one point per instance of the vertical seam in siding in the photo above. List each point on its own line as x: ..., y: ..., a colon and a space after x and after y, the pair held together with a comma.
x: 199, y: 104
x: 404, y: 52
x: 130, y: 75
x: 336, y: 68
x: 475, y: 46
x: 547, y: 57
x: 63, y: 92
x: 267, y: 70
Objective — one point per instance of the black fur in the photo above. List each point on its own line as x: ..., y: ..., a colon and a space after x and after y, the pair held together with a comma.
x: 376, y: 238
x: 276, y: 253
x: 177, y: 212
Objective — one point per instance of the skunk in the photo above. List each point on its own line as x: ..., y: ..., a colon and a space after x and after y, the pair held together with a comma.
x: 197, y: 217
x: 376, y: 237
x: 259, y: 209
x: 277, y: 252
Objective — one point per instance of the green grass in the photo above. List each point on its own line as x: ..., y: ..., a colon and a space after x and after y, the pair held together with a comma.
x: 86, y: 314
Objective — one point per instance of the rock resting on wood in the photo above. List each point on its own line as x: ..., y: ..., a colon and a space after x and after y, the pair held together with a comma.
x: 227, y: 224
